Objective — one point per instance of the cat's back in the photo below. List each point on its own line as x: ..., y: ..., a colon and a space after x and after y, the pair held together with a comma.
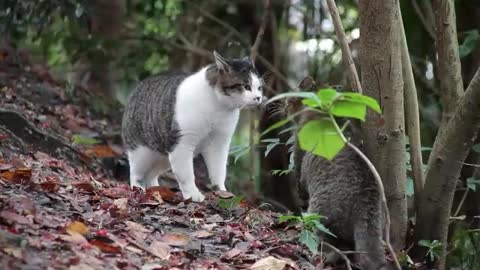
x: 148, y: 117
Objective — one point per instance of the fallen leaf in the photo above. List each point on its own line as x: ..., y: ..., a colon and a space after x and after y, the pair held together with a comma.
x: 224, y: 194
x: 136, y: 230
x: 233, y: 253
x: 77, y: 227
x: 18, y: 175
x: 50, y: 185
x: 165, y: 194
x: 160, y: 249
x: 101, y: 151
x: 121, y: 203
x: 105, y: 247
x: 13, y: 217
x: 74, y: 238
x: 269, y: 263
x: 115, y: 192
x: 84, y: 185
x: 14, y: 252
x: 5, y: 166
x: 175, y: 239
x: 202, y: 234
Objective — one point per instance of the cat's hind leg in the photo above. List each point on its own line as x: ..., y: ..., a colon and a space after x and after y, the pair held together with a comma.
x: 145, y: 166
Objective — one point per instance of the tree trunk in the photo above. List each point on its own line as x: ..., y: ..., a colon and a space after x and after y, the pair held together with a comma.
x: 382, y: 80
x: 450, y: 150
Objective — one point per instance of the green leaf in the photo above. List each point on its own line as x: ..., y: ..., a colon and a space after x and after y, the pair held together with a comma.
x: 469, y: 43
x: 357, y: 97
x: 309, y: 239
x: 327, y: 96
x: 310, y: 103
x: 321, y: 138
x: 81, y: 140
x: 276, y: 125
x: 270, y: 147
x: 289, y: 218
x: 476, y: 148
x: 322, y: 228
x: 345, y: 108
x: 410, y: 189
x: 472, y: 183
x: 295, y: 94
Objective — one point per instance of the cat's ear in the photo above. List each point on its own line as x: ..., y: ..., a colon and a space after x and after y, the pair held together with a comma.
x: 221, y: 63
x: 249, y: 60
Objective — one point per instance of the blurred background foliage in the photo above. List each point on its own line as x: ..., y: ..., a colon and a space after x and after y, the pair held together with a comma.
x: 106, y: 46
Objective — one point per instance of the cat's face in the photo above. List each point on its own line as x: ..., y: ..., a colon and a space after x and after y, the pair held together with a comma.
x: 236, y: 82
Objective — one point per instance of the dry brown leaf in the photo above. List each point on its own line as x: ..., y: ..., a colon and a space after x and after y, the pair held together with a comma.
x: 77, y: 227
x: 160, y: 249
x: 269, y: 263
x: 84, y: 185
x: 121, y: 203
x: 116, y: 192
x: 101, y: 151
x: 18, y: 175
x: 74, y: 238
x: 5, y: 166
x: 105, y: 247
x: 165, y: 194
x: 224, y: 194
x: 49, y: 186
x: 202, y: 234
x: 175, y: 239
x: 13, y: 217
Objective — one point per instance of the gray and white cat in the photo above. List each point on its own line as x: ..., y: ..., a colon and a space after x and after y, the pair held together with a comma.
x: 172, y: 117
x: 345, y: 192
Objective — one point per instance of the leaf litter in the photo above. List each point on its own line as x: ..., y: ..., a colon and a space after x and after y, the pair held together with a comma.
x: 64, y: 212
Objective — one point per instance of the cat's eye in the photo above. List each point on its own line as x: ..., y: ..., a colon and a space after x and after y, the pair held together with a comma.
x: 247, y: 87
x: 260, y: 88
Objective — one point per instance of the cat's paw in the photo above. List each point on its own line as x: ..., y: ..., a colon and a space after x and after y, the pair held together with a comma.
x: 195, y: 195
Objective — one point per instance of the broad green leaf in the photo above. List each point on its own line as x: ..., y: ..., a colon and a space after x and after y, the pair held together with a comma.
x: 321, y: 138
x: 469, y: 43
x: 81, y: 140
x: 310, y: 103
x: 309, y: 239
x: 345, y: 108
x: 357, y: 97
x: 295, y: 94
x: 327, y: 96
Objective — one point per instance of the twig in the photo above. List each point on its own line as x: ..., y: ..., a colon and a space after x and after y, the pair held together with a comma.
x: 426, y: 24
x: 346, y: 53
x: 253, y: 55
x: 460, y: 204
x: 378, y: 179
x: 340, y: 253
x: 412, y: 118
x: 245, y: 43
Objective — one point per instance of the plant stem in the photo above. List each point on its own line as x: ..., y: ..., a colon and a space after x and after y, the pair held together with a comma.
x: 378, y: 179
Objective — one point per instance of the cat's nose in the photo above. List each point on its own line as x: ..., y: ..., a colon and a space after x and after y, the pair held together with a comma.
x: 257, y: 98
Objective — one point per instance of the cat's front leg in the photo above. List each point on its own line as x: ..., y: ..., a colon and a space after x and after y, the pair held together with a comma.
x: 216, y: 156
x: 181, y: 162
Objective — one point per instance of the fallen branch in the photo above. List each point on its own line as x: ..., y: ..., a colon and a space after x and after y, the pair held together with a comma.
x: 340, y: 253
x: 27, y: 133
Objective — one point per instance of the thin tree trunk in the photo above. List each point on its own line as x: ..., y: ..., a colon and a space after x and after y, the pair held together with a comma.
x: 448, y: 63
x: 412, y: 118
x: 382, y: 80
x: 451, y: 148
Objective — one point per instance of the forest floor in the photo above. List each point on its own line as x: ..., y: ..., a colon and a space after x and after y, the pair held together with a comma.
x: 62, y: 205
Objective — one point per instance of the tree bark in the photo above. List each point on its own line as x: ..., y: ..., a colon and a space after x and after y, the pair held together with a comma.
x: 451, y: 148
x: 448, y: 63
x: 382, y: 80
x: 412, y: 115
